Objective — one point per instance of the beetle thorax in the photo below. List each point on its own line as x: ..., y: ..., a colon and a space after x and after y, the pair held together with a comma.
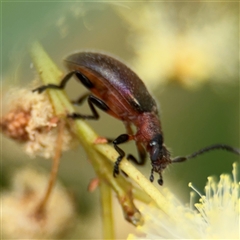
x: 148, y: 125
x: 150, y: 134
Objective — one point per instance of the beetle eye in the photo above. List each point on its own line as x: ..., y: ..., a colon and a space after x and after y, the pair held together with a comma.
x: 155, y: 153
x: 152, y: 143
x: 84, y: 80
x: 158, y: 139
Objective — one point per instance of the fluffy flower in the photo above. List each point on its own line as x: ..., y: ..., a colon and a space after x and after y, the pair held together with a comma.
x: 185, y: 42
x: 19, y: 218
x: 29, y: 118
x: 217, y: 215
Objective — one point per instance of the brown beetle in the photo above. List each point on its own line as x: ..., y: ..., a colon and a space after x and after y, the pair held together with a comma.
x: 117, y: 90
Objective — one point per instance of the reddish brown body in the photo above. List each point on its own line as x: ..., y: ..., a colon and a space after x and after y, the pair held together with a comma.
x: 120, y: 89
x: 126, y: 97
x: 114, y: 83
x: 117, y: 90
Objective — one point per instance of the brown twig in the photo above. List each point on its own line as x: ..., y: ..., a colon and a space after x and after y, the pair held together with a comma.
x: 53, y: 175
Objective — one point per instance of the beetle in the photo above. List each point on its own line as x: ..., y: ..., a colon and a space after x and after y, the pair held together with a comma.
x: 117, y: 90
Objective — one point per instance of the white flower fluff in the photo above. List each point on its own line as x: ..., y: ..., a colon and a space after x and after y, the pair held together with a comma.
x: 216, y: 215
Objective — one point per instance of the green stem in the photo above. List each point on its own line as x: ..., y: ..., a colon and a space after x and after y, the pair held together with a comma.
x: 107, y: 215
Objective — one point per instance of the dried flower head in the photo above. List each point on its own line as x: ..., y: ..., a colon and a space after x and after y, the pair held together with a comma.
x: 14, y: 124
x: 217, y: 216
x: 19, y: 206
x: 29, y: 118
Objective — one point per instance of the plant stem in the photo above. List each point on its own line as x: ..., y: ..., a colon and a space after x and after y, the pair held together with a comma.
x: 107, y: 215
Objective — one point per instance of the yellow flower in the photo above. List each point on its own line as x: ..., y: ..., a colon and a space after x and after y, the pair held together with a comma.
x: 217, y: 215
x: 184, y: 42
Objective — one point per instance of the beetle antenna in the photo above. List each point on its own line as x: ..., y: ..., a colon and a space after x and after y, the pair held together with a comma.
x: 207, y: 149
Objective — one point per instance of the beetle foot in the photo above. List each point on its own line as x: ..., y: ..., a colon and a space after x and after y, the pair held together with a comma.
x: 40, y: 89
x: 77, y: 116
x: 116, y: 166
x: 115, y: 171
x: 160, y: 181
x: 151, y: 178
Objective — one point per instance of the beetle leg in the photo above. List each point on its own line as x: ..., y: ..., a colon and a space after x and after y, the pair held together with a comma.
x: 120, y: 139
x: 80, y: 100
x: 60, y: 86
x: 83, y: 79
x: 141, y: 153
x: 141, y: 150
x: 92, y: 100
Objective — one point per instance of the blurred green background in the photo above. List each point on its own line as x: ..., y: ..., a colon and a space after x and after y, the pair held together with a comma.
x: 192, y: 117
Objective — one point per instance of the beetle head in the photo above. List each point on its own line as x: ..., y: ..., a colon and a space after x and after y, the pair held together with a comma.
x: 160, y: 157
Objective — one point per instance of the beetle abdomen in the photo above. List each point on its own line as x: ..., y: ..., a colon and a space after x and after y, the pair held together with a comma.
x: 118, y: 75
